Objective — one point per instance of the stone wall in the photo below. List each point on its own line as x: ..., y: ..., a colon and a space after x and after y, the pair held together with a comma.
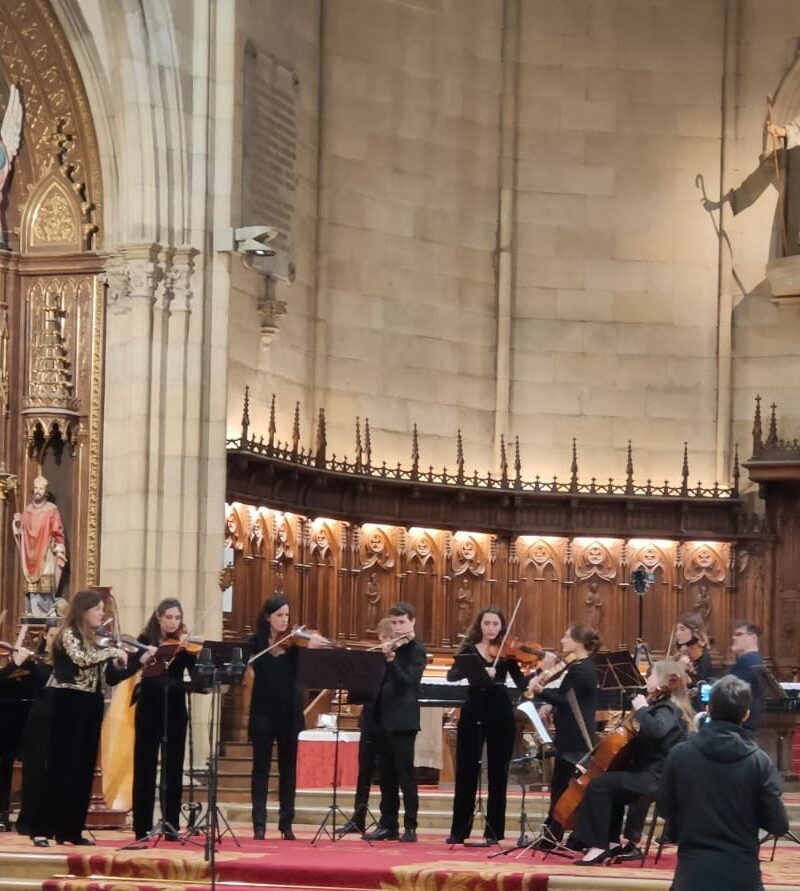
x: 618, y: 280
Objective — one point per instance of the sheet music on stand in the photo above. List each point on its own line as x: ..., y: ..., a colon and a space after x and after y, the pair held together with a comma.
x: 616, y: 671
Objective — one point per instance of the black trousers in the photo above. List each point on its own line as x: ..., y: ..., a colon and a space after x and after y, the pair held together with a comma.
x: 35, y: 751
x: 600, y: 815
x: 563, y: 772
x: 146, y: 749
x: 396, y: 769
x: 367, y: 757
x: 264, y: 731
x: 498, y: 733
x: 72, y: 755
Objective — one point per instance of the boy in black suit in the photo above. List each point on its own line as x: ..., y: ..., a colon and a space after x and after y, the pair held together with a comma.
x: 397, y: 725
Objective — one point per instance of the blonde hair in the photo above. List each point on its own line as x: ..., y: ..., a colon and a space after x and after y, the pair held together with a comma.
x: 672, y: 675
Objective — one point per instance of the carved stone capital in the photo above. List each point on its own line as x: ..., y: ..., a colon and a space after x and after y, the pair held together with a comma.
x: 134, y: 271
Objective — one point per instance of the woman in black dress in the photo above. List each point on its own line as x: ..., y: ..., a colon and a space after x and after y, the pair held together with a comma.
x: 79, y: 665
x: 161, y: 680
x: 276, y: 714
x: 486, y: 716
x: 578, y: 686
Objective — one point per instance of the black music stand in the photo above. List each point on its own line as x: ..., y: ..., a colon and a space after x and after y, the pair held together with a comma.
x: 473, y: 668
x: 339, y: 669
x: 617, y: 672
x: 219, y: 662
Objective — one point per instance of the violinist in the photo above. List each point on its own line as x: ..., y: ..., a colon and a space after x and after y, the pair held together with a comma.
x: 161, y: 697
x: 577, y: 694
x: 367, y: 749
x: 397, y: 723
x: 663, y: 719
x: 79, y: 666
x: 276, y: 713
x: 486, y: 716
x: 19, y: 685
x: 36, y: 730
x: 692, y: 643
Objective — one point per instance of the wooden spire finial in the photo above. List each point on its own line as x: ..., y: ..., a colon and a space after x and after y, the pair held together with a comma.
x: 685, y: 471
x: 246, y: 416
x: 758, y: 440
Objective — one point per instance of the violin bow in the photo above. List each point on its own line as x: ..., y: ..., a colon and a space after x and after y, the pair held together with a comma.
x: 508, y: 630
x: 277, y: 643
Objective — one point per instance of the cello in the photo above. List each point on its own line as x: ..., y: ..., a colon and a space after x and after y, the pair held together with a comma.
x: 610, y: 753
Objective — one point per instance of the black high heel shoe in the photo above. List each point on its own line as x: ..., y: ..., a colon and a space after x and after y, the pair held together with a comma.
x: 80, y: 841
x: 600, y: 858
x: 40, y: 841
x: 259, y: 832
x: 288, y: 835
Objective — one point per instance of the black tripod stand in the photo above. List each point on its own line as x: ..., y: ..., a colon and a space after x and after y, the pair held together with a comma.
x: 192, y: 809
x: 219, y: 663
x: 338, y: 669
x: 521, y: 768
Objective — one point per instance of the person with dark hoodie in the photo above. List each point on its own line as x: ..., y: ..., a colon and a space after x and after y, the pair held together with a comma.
x: 717, y: 791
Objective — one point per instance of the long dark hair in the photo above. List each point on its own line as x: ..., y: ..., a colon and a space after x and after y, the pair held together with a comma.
x: 694, y: 622
x: 152, y: 630
x: 271, y: 605
x: 79, y: 604
x: 584, y: 634
x: 475, y: 635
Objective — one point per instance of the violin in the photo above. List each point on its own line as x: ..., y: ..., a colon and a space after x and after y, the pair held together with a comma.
x: 392, y: 644
x: 299, y: 636
x: 546, y: 676
x: 524, y: 653
x: 168, y: 650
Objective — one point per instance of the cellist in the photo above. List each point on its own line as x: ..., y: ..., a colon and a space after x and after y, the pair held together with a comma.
x: 662, y: 720
x: 577, y: 695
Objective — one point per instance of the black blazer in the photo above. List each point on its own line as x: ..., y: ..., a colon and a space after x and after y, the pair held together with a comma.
x: 398, y: 699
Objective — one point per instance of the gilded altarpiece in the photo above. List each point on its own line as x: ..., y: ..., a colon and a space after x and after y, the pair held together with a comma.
x: 51, y: 296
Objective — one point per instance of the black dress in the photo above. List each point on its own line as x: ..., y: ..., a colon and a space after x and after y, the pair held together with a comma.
x: 570, y: 745
x: 486, y: 716
x: 276, y: 715
x: 149, y: 722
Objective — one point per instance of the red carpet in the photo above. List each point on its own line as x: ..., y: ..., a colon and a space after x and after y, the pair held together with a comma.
x: 426, y: 866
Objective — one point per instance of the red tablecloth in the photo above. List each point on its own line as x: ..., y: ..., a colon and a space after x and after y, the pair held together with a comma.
x: 315, y: 759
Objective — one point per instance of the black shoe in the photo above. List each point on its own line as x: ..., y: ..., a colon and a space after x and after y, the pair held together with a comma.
x: 350, y: 826
x: 258, y: 833
x: 80, y: 841
x: 172, y: 836
x: 491, y: 840
x: 40, y: 841
x: 454, y: 840
x: 600, y: 858
x: 382, y: 834
x: 287, y: 834
x: 629, y: 851
x: 410, y: 835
